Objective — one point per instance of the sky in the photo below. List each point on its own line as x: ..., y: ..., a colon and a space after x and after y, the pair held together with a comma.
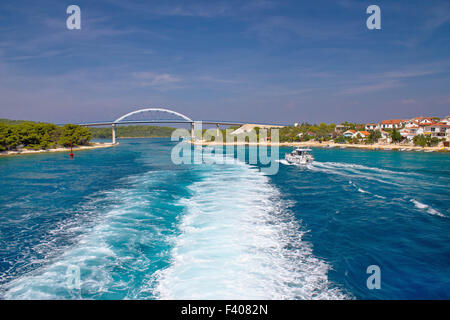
x: 254, y: 61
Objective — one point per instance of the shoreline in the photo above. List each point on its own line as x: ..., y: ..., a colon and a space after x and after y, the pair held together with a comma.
x: 373, y: 147
x: 94, y: 145
x: 141, y: 137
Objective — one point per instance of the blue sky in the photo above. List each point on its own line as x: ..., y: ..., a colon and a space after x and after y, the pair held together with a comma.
x: 255, y: 61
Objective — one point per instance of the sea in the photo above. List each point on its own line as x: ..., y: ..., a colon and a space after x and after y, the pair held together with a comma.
x: 128, y: 223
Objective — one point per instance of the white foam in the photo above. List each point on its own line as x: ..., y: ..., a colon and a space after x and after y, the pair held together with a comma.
x: 365, y: 168
x: 356, y: 172
x: 238, y: 241
x: 285, y: 162
x: 418, y: 204
x: 361, y: 190
x: 435, y: 212
x: 429, y: 209
x: 106, y: 254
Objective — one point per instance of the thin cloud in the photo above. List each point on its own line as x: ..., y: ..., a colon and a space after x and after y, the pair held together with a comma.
x: 409, y: 101
x: 47, y: 54
x: 427, y: 23
x: 284, y: 28
x: 288, y: 92
x: 361, y: 89
x: 410, y: 74
x: 219, y: 80
x: 208, y: 9
x: 151, y: 79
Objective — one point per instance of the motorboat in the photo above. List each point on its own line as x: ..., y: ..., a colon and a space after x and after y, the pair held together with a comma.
x: 299, y: 156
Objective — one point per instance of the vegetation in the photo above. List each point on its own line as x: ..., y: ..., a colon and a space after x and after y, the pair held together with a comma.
x: 38, y: 136
x: 374, y: 136
x: 305, y: 132
x: 425, y: 141
x: 396, y: 136
x: 78, y: 135
x: 340, y: 139
x: 132, y: 132
x: 353, y: 126
x: 8, y: 121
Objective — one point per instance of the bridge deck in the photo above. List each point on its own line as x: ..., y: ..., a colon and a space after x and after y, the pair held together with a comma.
x: 225, y: 123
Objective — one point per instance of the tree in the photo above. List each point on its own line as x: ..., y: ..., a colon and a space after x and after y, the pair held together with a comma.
x: 396, y: 136
x: 374, y: 136
x: 340, y: 139
x: 8, y: 138
x: 433, y: 142
x: 355, y: 140
x: 420, y: 140
x: 78, y: 135
x: 37, y: 136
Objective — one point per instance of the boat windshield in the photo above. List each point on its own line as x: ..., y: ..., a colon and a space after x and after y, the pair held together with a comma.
x: 301, y: 152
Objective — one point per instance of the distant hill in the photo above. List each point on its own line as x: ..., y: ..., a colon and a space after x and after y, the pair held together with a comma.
x: 9, y: 121
x: 132, y: 132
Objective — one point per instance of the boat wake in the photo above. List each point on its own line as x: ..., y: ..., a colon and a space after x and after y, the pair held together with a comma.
x: 116, y: 255
x: 358, y: 172
x: 285, y: 162
x: 379, y: 176
x: 230, y: 236
x: 239, y: 241
x: 427, y: 208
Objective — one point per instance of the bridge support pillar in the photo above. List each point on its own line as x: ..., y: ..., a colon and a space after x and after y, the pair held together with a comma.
x: 218, y: 129
x: 114, y: 133
x: 192, y: 131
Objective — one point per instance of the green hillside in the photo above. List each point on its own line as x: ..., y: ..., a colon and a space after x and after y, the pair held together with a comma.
x: 12, y: 122
x: 132, y: 132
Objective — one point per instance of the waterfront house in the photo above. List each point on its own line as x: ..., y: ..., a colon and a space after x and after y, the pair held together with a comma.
x: 372, y: 126
x: 412, y: 124
x: 339, y: 129
x: 437, y: 130
x: 409, y: 132
x: 423, y: 120
x: 246, y: 128
x: 363, y: 134
x: 393, y: 124
x: 308, y: 133
x: 350, y: 134
x: 446, y: 120
x: 385, y: 137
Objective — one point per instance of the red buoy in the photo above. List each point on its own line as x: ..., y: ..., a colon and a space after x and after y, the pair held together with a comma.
x: 71, y: 152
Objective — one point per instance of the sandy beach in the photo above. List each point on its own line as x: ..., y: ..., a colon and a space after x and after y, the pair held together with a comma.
x: 389, y: 147
x: 80, y: 148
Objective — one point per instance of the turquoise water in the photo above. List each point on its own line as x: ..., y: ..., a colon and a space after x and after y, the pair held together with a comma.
x: 139, y: 227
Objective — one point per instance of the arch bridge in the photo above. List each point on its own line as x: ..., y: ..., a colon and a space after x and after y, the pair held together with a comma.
x: 184, y: 119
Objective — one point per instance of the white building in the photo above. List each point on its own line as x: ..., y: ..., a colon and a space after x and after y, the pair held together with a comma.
x: 372, y: 126
x: 356, y: 134
x: 423, y: 120
x: 438, y: 130
x: 350, y: 134
x: 409, y: 132
x: 393, y: 124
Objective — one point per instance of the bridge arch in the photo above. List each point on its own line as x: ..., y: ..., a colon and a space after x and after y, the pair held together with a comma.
x: 153, y: 109
x: 118, y: 120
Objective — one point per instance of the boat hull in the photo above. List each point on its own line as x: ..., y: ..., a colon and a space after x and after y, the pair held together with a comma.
x: 299, y: 160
